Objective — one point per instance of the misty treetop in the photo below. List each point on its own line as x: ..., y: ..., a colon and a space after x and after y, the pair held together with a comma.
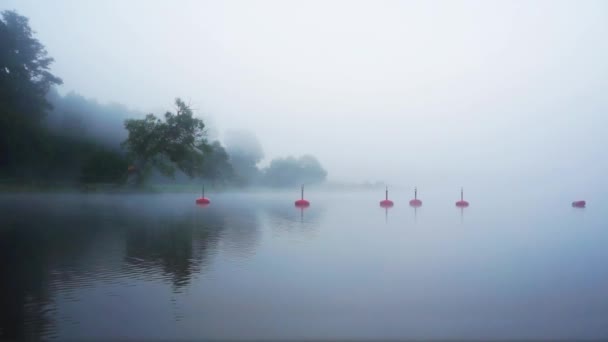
x: 245, y: 152
x: 25, y: 76
x: 79, y: 117
x: 292, y: 171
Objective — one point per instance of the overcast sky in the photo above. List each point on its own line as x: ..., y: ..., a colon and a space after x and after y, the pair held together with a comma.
x: 410, y: 92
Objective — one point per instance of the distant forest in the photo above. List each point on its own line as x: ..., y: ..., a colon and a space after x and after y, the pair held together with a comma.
x: 49, y: 138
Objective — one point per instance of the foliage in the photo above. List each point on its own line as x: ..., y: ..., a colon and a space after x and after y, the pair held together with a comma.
x: 217, y: 166
x: 178, y: 142
x: 46, y: 136
x: 74, y: 159
x: 24, y: 81
x: 292, y: 171
x: 104, y: 166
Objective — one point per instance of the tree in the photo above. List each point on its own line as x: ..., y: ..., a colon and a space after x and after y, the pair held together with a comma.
x: 25, y: 79
x: 103, y: 166
x: 245, y: 153
x: 217, y: 166
x: 176, y: 143
x: 291, y: 171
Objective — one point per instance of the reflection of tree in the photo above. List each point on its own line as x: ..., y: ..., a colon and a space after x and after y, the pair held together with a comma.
x: 30, y: 247
x: 51, y: 246
x: 35, y: 252
x: 24, y: 293
x: 174, y: 245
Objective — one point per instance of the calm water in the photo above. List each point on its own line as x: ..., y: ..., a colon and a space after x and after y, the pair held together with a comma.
x: 252, y: 266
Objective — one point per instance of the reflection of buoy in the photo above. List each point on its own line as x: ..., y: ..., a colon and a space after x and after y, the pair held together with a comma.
x: 302, y: 203
x: 131, y: 168
x: 415, y: 202
x: 579, y: 204
x: 462, y: 203
x: 386, y: 203
x: 203, y: 201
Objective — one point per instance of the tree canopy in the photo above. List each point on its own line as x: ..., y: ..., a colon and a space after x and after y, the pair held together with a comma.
x: 25, y: 80
x: 178, y: 142
x: 217, y: 166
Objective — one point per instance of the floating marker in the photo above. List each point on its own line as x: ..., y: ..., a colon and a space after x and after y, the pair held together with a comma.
x: 579, y: 204
x: 462, y: 203
x: 415, y: 202
x: 386, y: 203
x: 203, y: 201
x: 302, y: 203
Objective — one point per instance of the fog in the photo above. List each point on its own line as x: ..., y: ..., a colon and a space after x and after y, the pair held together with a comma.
x: 77, y: 116
x: 425, y: 93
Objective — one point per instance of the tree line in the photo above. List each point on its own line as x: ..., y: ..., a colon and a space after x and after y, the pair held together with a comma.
x: 45, y: 136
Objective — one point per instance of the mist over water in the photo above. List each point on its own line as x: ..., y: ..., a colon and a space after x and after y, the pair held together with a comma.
x: 253, y: 266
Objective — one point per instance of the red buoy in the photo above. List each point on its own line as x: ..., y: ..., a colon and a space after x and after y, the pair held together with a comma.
x: 579, y: 204
x: 416, y: 203
x: 203, y: 201
x: 302, y: 203
x: 386, y: 203
x: 462, y: 203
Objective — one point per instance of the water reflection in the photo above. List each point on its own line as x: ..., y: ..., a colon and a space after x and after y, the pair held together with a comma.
x: 57, y: 245
x: 172, y: 249
x: 24, y: 296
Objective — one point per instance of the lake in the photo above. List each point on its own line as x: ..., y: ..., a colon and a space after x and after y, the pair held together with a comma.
x: 251, y: 266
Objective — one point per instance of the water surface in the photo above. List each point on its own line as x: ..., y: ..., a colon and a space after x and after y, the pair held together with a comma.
x: 251, y: 266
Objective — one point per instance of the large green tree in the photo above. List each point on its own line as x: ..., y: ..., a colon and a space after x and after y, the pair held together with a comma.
x: 178, y: 142
x: 25, y: 79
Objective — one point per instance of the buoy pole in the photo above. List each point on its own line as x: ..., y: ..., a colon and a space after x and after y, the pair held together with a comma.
x: 415, y: 193
x: 461, y: 194
x: 302, y: 195
x: 386, y: 194
x: 203, y: 191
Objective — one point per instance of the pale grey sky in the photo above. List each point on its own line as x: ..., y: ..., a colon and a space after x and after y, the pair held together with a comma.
x: 410, y: 92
